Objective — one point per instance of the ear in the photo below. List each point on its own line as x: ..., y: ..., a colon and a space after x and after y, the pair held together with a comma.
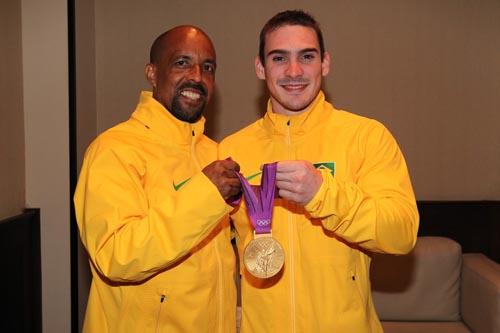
x: 150, y: 72
x: 325, y: 64
x: 259, y: 69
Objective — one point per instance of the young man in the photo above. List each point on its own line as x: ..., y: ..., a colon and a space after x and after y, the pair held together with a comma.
x: 344, y: 191
x: 150, y: 204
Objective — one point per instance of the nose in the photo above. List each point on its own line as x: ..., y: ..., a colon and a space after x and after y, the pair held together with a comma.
x: 294, y: 68
x: 196, y: 73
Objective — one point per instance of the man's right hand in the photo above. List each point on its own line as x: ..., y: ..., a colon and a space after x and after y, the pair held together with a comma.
x: 223, y: 174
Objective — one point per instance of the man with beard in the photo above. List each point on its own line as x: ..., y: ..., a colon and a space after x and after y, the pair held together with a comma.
x: 151, y: 204
x: 344, y: 191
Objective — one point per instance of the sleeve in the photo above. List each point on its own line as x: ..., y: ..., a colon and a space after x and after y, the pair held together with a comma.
x: 378, y: 210
x: 129, y: 237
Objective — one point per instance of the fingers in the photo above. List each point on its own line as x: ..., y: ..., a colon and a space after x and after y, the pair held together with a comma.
x: 287, y: 188
x: 222, y: 174
x: 292, y: 171
x: 231, y: 165
x: 286, y: 185
x: 230, y: 173
x: 286, y: 171
x: 297, y: 181
x: 230, y: 188
x: 288, y: 195
x: 287, y: 166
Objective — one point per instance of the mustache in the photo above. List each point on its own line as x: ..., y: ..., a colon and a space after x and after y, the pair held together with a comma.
x: 295, y: 80
x: 193, y: 85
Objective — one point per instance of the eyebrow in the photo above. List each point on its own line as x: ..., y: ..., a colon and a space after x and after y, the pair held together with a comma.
x: 189, y: 57
x: 280, y: 51
x: 211, y: 61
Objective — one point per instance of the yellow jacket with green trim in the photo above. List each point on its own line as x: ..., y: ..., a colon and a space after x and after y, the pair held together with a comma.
x: 365, y: 204
x: 155, y: 228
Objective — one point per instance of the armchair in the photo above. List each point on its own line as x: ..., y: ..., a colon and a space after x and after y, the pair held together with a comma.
x: 436, y: 288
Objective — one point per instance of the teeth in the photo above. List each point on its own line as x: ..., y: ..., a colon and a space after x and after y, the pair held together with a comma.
x: 294, y: 87
x: 190, y: 94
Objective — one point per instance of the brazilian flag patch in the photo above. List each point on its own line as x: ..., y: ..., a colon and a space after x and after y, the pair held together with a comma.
x: 326, y: 165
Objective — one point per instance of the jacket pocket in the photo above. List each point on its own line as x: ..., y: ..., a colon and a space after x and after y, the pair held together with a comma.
x: 183, y: 307
x: 162, y: 298
x: 356, y: 281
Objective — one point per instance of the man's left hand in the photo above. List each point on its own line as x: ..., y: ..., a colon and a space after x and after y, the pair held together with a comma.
x: 298, y: 181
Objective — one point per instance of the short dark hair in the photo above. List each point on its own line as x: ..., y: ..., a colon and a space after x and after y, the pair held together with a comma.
x: 155, y: 53
x: 159, y: 45
x: 290, y: 17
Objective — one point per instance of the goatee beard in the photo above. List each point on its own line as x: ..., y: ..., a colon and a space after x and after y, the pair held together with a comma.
x: 190, y: 116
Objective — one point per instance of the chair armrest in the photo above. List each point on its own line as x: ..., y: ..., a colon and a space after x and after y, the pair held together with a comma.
x: 480, y: 293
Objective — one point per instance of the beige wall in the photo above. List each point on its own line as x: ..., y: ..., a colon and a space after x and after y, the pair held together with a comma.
x: 86, y: 119
x: 45, y: 101
x: 427, y: 69
x: 34, y: 138
x: 11, y: 111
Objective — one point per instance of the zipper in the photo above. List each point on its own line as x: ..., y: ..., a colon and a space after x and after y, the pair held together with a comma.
x: 290, y: 238
x: 162, y: 298
x: 193, y: 151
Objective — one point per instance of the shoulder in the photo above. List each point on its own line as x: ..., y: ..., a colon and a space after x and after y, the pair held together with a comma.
x: 117, y: 135
x: 355, y: 122
x: 121, y: 142
x: 346, y: 118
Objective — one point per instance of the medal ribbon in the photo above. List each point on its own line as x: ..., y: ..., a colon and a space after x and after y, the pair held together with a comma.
x: 260, y: 199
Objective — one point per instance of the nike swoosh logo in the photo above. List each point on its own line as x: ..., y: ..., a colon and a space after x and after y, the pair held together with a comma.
x: 178, y: 186
x: 254, y: 175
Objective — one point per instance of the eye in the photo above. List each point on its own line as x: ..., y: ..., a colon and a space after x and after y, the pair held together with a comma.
x: 181, y: 63
x: 278, y: 58
x: 209, y: 67
x: 308, y: 57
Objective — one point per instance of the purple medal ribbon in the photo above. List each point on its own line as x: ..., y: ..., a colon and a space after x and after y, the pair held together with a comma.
x: 260, y: 200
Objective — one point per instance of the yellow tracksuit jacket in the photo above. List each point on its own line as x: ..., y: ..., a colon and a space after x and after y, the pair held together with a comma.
x: 365, y: 203
x: 155, y: 228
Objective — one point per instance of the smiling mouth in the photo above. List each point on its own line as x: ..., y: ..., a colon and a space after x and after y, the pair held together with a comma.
x: 192, y: 95
x: 294, y: 87
x: 192, y: 91
x: 297, y: 84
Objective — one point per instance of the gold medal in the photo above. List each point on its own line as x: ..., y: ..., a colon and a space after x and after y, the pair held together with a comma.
x: 264, y: 256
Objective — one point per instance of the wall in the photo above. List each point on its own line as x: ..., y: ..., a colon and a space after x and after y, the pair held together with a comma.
x: 12, y: 180
x: 427, y: 69
x: 86, y: 120
x: 45, y: 101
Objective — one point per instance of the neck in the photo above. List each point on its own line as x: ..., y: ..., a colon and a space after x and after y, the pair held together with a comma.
x: 280, y: 109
